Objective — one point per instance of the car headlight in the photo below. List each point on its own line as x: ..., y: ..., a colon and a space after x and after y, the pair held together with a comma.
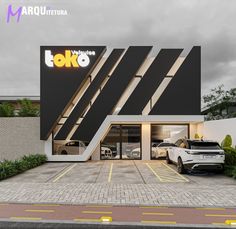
x: 189, y: 152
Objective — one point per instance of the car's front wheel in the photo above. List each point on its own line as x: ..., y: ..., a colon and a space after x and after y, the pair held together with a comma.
x: 180, y: 166
x: 63, y: 152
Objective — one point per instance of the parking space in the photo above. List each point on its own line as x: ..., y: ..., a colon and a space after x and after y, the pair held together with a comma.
x: 80, y: 173
x: 123, y: 172
x: 116, y: 172
x: 40, y: 174
x: 159, y: 172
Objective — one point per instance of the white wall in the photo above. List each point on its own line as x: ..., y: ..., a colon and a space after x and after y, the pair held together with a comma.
x: 193, y: 129
x: 217, y: 129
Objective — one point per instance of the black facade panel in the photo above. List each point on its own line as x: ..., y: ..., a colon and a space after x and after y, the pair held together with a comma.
x: 150, y: 82
x: 183, y: 94
x: 112, y: 91
x: 88, y: 94
x: 59, y: 85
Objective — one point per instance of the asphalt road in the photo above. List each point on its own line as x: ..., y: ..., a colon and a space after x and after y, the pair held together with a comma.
x: 116, y: 215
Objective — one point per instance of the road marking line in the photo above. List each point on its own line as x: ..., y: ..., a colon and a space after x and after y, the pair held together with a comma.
x: 47, y: 205
x: 154, y: 172
x: 169, y: 177
x: 160, y: 222
x: 221, y: 224
x: 35, y: 210
x: 215, y: 215
x: 175, y: 172
x: 95, y: 212
x: 26, y: 218
x: 217, y: 209
x: 153, y: 207
x: 230, y: 222
x: 88, y: 220
x: 64, y: 173
x: 157, y: 213
x: 110, y: 173
x: 172, y: 181
x: 98, y: 206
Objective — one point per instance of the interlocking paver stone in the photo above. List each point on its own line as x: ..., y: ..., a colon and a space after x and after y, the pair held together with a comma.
x: 128, y: 194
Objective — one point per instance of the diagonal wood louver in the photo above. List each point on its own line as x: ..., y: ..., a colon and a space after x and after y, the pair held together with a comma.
x: 112, y: 91
x: 83, y: 103
x: 150, y: 82
x: 59, y: 86
x: 183, y: 95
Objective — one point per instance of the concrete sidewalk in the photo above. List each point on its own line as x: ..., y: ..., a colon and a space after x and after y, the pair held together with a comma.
x: 178, y: 194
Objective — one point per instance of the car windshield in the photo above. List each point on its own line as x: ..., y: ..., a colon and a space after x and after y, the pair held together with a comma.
x: 204, y: 145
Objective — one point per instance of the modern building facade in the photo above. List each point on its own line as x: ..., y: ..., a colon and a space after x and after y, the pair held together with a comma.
x: 118, y: 105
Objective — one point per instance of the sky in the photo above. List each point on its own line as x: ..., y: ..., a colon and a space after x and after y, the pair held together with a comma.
x: 118, y: 24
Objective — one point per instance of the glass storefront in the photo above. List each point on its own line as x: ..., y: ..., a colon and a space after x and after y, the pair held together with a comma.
x: 122, y: 142
x: 164, y: 136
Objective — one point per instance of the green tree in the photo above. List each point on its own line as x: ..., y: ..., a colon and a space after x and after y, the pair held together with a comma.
x: 196, y: 136
x: 218, y: 100
x: 6, y: 110
x: 214, y: 98
x: 227, y: 142
x: 27, y: 109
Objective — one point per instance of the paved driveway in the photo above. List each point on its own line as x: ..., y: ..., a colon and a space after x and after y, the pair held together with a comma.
x: 117, y: 172
x: 118, y: 183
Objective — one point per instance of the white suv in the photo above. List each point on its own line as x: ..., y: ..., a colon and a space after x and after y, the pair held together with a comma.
x: 196, y: 155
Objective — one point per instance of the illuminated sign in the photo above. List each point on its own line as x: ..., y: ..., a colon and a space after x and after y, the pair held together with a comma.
x: 71, y: 58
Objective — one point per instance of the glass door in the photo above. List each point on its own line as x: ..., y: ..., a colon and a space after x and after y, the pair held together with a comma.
x: 131, y: 142
x: 110, y: 146
x: 122, y: 142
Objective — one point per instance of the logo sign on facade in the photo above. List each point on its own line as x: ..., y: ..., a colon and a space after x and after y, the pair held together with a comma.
x: 68, y: 59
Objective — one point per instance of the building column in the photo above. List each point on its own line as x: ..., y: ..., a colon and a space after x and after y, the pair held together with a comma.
x: 48, y: 147
x: 96, y: 154
x: 146, y: 141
